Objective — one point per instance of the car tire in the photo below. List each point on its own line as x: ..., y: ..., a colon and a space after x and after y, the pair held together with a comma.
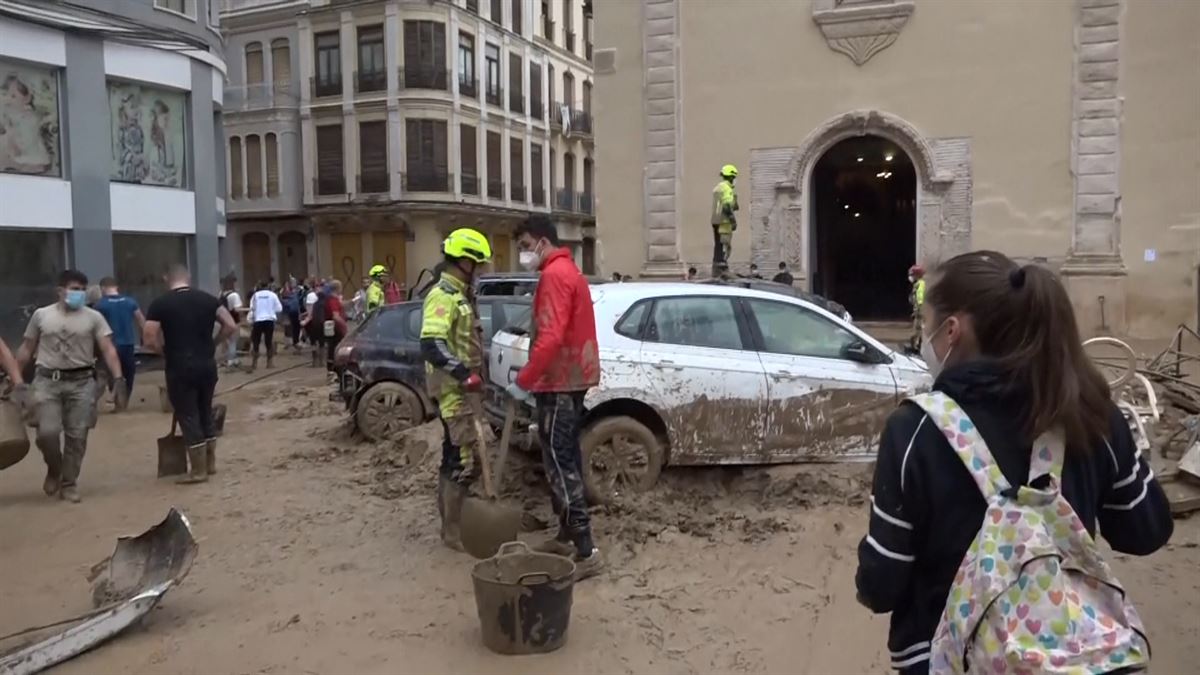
x: 385, y: 409
x: 619, y: 454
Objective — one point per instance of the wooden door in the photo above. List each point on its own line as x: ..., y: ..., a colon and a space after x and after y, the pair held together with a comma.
x: 256, y: 260
x: 501, y: 253
x: 293, y: 256
x: 345, y: 250
x: 389, y: 251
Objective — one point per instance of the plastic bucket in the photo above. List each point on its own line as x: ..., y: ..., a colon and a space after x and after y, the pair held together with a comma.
x: 14, y: 442
x: 524, y: 599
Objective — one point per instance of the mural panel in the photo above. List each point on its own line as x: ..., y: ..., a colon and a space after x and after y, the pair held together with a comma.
x: 29, y: 140
x: 147, y: 134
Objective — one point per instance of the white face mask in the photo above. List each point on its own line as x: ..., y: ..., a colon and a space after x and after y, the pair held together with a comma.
x: 929, y: 354
x: 528, y: 259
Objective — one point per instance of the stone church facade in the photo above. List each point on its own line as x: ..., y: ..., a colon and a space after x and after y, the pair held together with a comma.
x: 1067, y: 135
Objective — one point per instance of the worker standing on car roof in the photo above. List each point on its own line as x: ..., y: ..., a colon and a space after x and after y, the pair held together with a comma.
x: 916, y: 298
x: 375, y: 295
x: 724, y: 203
x: 451, y: 343
x: 564, y: 362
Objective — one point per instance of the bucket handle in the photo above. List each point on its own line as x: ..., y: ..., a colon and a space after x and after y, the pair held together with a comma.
x: 527, y: 578
x: 512, y: 548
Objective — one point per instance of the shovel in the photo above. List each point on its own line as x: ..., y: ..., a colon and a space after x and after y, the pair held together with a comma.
x: 172, y: 453
x: 486, y: 522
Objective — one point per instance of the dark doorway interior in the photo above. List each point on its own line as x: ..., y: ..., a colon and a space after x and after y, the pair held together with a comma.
x: 864, y: 227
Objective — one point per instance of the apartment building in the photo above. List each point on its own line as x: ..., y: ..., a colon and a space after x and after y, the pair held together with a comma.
x: 370, y: 130
x: 110, y: 115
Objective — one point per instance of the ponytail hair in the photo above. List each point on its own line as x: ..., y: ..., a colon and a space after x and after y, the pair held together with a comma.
x: 1024, y: 320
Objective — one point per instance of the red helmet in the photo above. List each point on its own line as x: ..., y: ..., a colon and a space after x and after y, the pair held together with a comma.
x: 916, y: 271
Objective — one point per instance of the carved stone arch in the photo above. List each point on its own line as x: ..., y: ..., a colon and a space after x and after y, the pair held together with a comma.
x: 780, y: 177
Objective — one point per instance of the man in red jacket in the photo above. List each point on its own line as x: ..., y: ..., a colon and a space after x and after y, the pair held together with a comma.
x: 564, y: 363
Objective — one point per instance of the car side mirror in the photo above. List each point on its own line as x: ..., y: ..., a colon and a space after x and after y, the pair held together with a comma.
x: 860, y: 352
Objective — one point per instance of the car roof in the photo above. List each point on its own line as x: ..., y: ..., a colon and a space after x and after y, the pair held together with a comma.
x: 636, y: 290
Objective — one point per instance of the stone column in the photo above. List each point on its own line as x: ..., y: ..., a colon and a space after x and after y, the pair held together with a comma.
x: 661, y: 209
x: 1094, y: 272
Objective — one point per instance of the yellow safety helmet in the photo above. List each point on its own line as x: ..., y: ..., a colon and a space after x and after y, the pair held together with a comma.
x: 729, y: 171
x: 467, y: 243
x: 377, y: 270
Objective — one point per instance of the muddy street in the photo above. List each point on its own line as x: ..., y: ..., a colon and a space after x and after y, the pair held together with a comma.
x: 319, y: 554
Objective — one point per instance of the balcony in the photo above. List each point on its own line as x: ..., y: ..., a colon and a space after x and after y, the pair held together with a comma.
x: 539, y: 195
x: 468, y: 86
x: 569, y: 38
x: 470, y: 185
x: 424, y: 77
x: 495, y: 188
x: 370, y: 81
x: 516, y: 101
x: 564, y: 200
x: 581, y: 122
x: 325, y: 87
x: 494, y: 95
x: 584, y: 201
x: 329, y: 186
x: 427, y: 179
x: 517, y: 192
x: 373, y: 183
x: 556, y: 120
x: 262, y: 96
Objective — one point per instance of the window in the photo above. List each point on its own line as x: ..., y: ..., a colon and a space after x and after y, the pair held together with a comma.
x: 518, y: 23
x: 329, y: 64
x: 281, y: 64
x: 425, y: 55
x: 271, y: 147
x: 568, y: 90
x: 29, y: 111
x: 568, y: 171
x: 547, y: 22
x: 254, y: 167
x: 630, y: 325
x: 585, y: 198
x: 492, y: 57
x: 30, y: 262
x: 148, y: 132
x: 788, y: 329
x: 495, y: 183
x: 553, y: 171
x: 254, y: 64
x: 536, y: 184
x: 497, y: 15
x: 185, y: 7
x: 428, y: 165
x: 473, y: 6
x: 331, y: 173
x: 587, y: 97
x: 536, y: 109
x: 568, y: 13
x: 235, y: 168
x: 139, y: 260
x: 694, y: 321
x: 550, y: 84
x: 516, y: 166
x: 468, y: 147
x: 372, y: 69
x: 466, y: 65
x: 516, y: 90
x: 372, y: 155
x: 587, y: 32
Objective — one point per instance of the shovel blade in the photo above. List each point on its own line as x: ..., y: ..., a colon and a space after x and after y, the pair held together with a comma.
x: 172, y: 456
x: 486, y: 524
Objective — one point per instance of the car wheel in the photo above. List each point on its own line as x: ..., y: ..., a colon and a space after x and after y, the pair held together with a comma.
x: 386, y: 409
x: 620, y: 454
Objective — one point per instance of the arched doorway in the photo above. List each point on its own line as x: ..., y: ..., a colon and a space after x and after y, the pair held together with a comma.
x: 256, y: 259
x: 293, y: 255
x: 864, y: 230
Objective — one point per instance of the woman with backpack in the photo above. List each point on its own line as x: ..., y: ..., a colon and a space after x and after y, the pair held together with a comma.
x: 988, y: 491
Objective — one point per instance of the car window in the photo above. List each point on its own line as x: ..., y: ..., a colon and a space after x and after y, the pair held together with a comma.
x: 515, y: 313
x: 789, y: 329
x: 694, y: 321
x: 485, y: 318
x: 389, y: 323
x: 630, y: 325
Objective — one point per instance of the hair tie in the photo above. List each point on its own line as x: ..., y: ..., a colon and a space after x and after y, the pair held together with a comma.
x: 1017, y: 278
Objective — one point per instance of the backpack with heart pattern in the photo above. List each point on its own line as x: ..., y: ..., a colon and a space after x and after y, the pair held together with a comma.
x: 1032, y: 594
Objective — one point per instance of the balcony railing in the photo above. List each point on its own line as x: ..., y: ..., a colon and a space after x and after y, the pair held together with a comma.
x: 556, y: 114
x: 260, y: 96
x: 470, y: 185
x: 548, y: 28
x: 370, y: 81
x: 517, y: 192
x: 516, y: 101
x: 325, y: 186
x: 427, y: 179
x: 495, y: 188
x: 564, y: 200
x: 581, y: 121
x: 538, y: 194
x: 325, y: 87
x: 569, y: 37
x: 584, y: 202
x: 494, y: 95
x: 373, y: 183
x: 424, y: 77
x: 468, y: 86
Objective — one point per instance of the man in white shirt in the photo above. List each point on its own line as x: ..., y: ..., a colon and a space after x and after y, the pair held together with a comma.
x: 265, y: 308
x: 231, y: 300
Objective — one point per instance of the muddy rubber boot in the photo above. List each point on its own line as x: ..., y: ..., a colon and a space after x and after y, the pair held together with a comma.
x: 50, y: 485
x: 557, y: 545
x: 270, y: 361
x: 210, y: 456
x: 198, y: 464
x: 589, y: 566
x: 253, y: 362
x: 69, y: 493
x: 453, y: 496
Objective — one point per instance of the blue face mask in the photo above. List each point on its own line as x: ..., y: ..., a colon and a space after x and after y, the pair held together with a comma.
x: 75, y: 298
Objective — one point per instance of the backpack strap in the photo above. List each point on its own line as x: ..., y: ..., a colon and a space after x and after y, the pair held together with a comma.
x: 964, y: 439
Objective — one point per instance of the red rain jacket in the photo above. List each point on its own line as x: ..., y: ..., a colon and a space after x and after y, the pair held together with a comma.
x: 564, y: 356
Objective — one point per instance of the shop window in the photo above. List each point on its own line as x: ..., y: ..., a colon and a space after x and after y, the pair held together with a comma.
x: 148, y: 131
x: 140, y: 260
x: 30, y: 263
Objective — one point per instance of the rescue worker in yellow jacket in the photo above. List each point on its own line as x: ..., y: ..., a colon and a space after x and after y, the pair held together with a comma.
x: 916, y: 297
x: 724, y: 222
x: 452, y: 346
x: 375, y: 290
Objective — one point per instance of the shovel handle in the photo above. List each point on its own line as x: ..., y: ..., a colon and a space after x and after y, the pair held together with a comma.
x: 510, y: 416
x: 484, y: 461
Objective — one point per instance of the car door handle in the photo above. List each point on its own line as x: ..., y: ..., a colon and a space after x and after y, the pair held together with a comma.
x: 667, y: 364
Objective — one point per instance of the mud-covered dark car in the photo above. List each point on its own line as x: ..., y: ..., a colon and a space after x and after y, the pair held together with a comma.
x: 381, y: 375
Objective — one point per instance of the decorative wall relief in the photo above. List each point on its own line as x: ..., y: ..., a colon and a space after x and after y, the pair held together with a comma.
x: 861, y: 29
x: 29, y: 140
x: 147, y: 134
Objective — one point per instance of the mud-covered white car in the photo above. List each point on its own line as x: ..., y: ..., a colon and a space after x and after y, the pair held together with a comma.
x: 696, y: 374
